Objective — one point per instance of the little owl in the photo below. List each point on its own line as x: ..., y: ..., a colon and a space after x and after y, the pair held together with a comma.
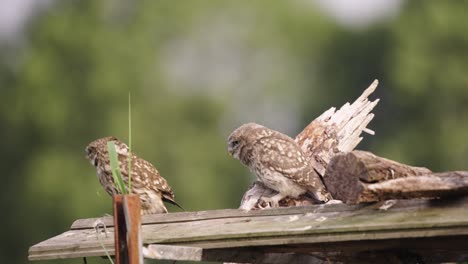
x: 146, y: 181
x: 277, y: 161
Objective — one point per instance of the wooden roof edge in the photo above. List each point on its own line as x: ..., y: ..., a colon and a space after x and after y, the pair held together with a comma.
x: 88, y: 223
x: 425, y: 219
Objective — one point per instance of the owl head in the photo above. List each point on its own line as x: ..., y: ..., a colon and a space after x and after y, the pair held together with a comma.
x: 98, y: 149
x: 243, y: 138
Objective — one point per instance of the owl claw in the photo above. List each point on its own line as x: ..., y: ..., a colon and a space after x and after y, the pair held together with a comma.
x: 272, y: 202
x: 261, y: 206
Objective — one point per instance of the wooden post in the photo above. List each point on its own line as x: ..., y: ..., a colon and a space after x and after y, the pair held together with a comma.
x: 127, y: 222
x: 121, y: 254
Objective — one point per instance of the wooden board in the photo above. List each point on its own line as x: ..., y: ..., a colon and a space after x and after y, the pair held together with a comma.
x: 303, y: 229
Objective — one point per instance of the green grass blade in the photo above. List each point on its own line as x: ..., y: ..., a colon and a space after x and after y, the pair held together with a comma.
x: 105, y: 250
x: 114, y: 163
x: 129, y: 142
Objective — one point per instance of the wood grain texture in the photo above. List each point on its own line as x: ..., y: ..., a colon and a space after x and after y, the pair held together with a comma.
x: 315, y: 228
x: 360, y: 177
x: 338, y: 131
x: 132, y: 210
x: 120, y: 244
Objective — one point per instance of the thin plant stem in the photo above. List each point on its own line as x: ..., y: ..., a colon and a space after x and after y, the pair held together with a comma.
x: 129, y: 142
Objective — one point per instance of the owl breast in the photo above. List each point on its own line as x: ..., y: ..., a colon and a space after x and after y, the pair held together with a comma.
x: 278, y: 182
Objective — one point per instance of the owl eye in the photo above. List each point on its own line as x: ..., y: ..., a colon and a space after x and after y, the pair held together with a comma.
x: 234, y: 143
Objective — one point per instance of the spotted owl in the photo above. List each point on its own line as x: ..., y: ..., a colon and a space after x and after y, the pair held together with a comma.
x: 147, y: 183
x: 277, y: 161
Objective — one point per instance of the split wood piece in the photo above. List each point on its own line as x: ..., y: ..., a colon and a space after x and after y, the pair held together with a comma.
x: 360, y: 176
x: 336, y: 132
x: 127, y: 238
x: 331, y: 133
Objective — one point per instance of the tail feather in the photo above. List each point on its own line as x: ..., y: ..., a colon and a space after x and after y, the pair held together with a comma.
x: 171, y: 201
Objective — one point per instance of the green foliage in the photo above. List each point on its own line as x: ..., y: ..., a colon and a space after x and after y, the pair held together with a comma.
x: 198, y: 69
x: 116, y: 173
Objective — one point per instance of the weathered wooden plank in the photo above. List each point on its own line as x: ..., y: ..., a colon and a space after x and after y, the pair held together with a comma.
x: 360, y: 176
x: 212, y: 214
x: 433, y: 185
x: 73, y: 244
x: 321, y: 226
x: 313, y: 226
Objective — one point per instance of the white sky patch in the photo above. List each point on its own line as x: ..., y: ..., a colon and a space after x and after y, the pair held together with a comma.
x: 359, y: 13
x: 15, y: 13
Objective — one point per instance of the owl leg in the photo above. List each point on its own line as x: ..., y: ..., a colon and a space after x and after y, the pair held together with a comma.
x: 248, y: 205
x: 274, y: 200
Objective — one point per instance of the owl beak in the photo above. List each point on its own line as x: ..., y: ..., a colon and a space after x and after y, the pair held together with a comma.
x: 233, y: 147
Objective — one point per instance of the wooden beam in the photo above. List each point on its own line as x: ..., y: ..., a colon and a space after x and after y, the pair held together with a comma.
x: 360, y: 176
x: 444, y: 184
x: 87, y: 223
x: 315, y: 227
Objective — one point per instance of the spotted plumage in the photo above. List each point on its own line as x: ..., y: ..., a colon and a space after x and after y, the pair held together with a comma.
x: 277, y: 161
x: 146, y: 181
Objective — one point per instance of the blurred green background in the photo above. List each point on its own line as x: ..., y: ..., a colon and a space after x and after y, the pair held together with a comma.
x: 198, y: 69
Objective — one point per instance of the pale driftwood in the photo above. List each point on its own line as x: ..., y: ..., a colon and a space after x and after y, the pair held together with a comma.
x: 443, y: 184
x: 331, y: 133
x: 361, y: 176
x: 338, y: 232
x: 336, y: 132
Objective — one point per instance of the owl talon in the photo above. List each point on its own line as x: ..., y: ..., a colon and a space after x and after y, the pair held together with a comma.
x: 261, y: 206
x: 272, y: 202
